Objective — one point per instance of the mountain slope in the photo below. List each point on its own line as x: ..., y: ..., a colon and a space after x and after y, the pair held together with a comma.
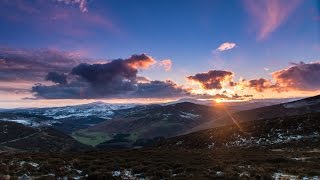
x: 294, y: 108
x: 302, y: 131
x: 149, y: 122
x: 18, y: 137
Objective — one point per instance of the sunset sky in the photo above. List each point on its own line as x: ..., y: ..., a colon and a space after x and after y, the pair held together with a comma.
x: 61, y: 52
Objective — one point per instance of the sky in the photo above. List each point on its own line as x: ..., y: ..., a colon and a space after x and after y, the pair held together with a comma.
x: 74, y: 51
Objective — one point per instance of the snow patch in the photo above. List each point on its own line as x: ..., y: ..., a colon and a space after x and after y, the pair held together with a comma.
x: 279, y: 176
x: 31, y: 123
x: 211, y: 145
x: 179, y: 143
x: 188, y: 115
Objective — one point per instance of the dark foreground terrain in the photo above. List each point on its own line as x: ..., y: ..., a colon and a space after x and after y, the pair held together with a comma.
x: 231, y: 163
x: 275, y: 142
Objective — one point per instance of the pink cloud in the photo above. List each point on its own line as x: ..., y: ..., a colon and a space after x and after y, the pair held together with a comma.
x: 166, y: 64
x: 270, y: 14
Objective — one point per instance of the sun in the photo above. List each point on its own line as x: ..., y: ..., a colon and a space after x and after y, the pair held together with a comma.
x: 218, y: 101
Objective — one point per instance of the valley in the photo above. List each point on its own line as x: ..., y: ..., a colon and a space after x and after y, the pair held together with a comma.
x: 170, y: 141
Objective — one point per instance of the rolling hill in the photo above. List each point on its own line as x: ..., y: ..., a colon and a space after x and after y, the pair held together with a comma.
x: 17, y: 137
x: 148, y: 122
x: 288, y: 109
x: 293, y: 124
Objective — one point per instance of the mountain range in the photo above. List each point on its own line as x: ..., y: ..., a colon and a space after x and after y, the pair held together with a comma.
x: 180, y: 140
x: 103, y: 125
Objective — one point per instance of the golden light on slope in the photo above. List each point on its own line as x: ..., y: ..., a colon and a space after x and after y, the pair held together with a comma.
x: 228, y: 113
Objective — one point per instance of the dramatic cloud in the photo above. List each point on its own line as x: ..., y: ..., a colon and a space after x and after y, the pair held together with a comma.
x: 212, y: 79
x: 226, y: 46
x: 300, y: 76
x: 115, y: 79
x: 259, y: 84
x: 270, y: 14
x: 166, y: 64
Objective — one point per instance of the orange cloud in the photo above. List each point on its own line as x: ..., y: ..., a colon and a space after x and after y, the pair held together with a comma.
x: 140, y: 61
x: 302, y: 76
x: 213, y: 79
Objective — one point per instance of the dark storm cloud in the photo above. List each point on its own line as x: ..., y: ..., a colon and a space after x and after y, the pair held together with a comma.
x: 152, y: 89
x: 33, y: 65
x: 259, y: 84
x: 104, y: 74
x: 212, y: 79
x: 300, y: 76
x: 115, y: 79
x: 66, y: 91
x: 55, y: 77
x: 119, y: 69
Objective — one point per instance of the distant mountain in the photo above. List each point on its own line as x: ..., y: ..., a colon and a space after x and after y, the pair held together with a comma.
x: 99, y: 122
x: 121, y: 125
x: 148, y: 122
x: 17, y: 137
x: 294, y: 108
x: 67, y: 119
x: 293, y: 124
x: 238, y: 105
x: 97, y: 109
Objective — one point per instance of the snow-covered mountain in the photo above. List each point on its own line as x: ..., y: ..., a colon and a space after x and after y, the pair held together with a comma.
x: 98, y: 109
x: 67, y: 119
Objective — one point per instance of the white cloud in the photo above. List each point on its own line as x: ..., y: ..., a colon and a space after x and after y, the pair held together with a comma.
x: 226, y: 46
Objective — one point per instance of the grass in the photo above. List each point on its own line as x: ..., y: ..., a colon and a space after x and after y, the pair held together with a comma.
x: 234, y: 163
x: 90, y: 138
